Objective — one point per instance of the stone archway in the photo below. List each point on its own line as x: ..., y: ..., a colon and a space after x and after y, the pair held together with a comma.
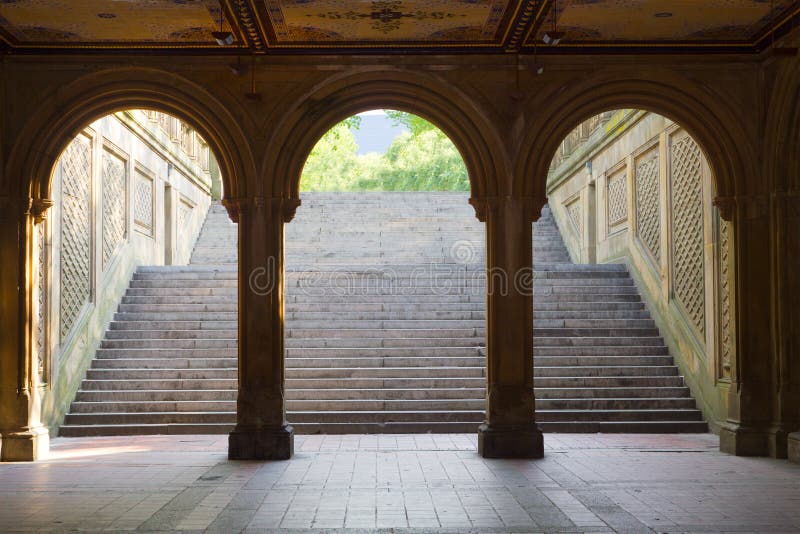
x: 473, y: 133
x: 725, y: 136
x: 510, y: 429
x: 710, y: 120
x: 28, y: 175
x: 49, y: 130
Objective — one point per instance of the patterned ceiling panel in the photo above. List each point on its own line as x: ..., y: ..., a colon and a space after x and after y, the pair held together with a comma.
x: 370, y: 22
x: 68, y: 22
x: 662, y: 21
x: 377, y: 25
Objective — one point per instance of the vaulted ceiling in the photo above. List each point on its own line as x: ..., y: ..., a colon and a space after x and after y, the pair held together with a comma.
x: 274, y: 26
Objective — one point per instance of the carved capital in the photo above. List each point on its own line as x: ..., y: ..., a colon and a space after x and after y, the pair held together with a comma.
x: 39, y: 209
x: 234, y: 207
x: 479, y: 204
x: 17, y: 208
x: 486, y: 205
x: 289, y: 208
x: 726, y: 207
x: 748, y: 207
x: 755, y: 207
x: 787, y: 203
x: 285, y: 206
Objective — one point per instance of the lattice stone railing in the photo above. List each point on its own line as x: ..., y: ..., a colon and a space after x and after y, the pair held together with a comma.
x: 687, y: 229
x: 648, y: 204
x: 114, y: 184
x: 76, y: 234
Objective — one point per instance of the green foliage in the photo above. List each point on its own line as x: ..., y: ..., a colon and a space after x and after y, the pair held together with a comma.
x: 415, y: 124
x: 422, y: 159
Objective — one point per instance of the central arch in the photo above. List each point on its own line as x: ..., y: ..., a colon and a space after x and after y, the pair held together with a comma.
x: 448, y: 108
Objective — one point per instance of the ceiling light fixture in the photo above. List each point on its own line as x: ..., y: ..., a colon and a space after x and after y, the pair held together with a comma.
x: 536, y: 67
x: 222, y: 37
x: 553, y: 37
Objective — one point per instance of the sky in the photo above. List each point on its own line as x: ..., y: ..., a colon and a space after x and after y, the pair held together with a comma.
x: 376, y: 132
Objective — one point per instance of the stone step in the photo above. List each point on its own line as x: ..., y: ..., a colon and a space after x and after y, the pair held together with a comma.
x: 626, y: 427
x: 165, y: 384
x: 420, y: 361
x: 166, y: 353
x: 377, y: 342
x: 70, y: 431
x: 605, y: 350
x: 380, y: 338
x: 168, y: 344
x: 543, y: 382
x: 209, y: 330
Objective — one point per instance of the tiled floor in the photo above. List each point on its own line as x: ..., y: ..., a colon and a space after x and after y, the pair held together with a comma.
x: 426, y: 483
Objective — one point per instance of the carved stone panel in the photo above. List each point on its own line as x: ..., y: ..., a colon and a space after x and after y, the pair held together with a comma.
x: 42, y: 318
x: 76, y: 231
x: 143, y: 203
x: 184, y: 212
x: 617, y: 198
x: 686, y: 179
x: 725, y: 304
x: 648, y: 203
x: 576, y: 215
x: 114, y: 185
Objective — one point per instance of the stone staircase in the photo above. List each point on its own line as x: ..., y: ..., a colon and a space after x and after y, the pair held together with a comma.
x: 385, y: 332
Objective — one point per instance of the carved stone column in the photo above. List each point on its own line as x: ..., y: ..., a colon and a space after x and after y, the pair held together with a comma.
x: 747, y: 431
x: 261, y: 431
x: 22, y: 434
x: 785, y: 212
x: 510, y: 429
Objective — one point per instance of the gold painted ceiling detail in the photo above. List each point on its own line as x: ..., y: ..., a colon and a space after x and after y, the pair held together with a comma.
x: 663, y: 21
x: 263, y: 26
x: 110, y: 21
x: 318, y: 21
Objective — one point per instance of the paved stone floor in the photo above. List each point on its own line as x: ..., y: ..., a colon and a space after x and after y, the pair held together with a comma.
x: 423, y: 483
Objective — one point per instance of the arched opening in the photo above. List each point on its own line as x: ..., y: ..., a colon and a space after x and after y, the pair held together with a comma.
x: 637, y: 290
x: 134, y: 293
x: 385, y: 298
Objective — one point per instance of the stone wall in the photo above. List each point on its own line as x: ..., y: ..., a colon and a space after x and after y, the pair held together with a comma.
x: 633, y: 187
x: 131, y: 189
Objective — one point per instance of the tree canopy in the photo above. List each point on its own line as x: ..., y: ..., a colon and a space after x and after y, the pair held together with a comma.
x: 421, y: 159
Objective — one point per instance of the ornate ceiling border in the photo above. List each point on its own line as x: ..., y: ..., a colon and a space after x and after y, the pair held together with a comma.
x: 252, y: 28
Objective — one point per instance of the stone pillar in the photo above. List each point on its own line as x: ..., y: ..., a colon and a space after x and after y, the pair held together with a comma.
x: 747, y: 431
x: 785, y: 212
x: 510, y: 429
x: 23, y: 438
x: 261, y: 431
x: 589, y: 237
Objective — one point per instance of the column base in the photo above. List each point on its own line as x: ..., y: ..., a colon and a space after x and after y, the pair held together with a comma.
x: 741, y: 440
x: 512, y: 441
x: 794, y: 447
x: 261, y: 443
x: 27, y: 446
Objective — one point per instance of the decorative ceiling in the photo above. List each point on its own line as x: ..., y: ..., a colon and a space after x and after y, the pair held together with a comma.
x: 375, y: 26
x: 663, y: 22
